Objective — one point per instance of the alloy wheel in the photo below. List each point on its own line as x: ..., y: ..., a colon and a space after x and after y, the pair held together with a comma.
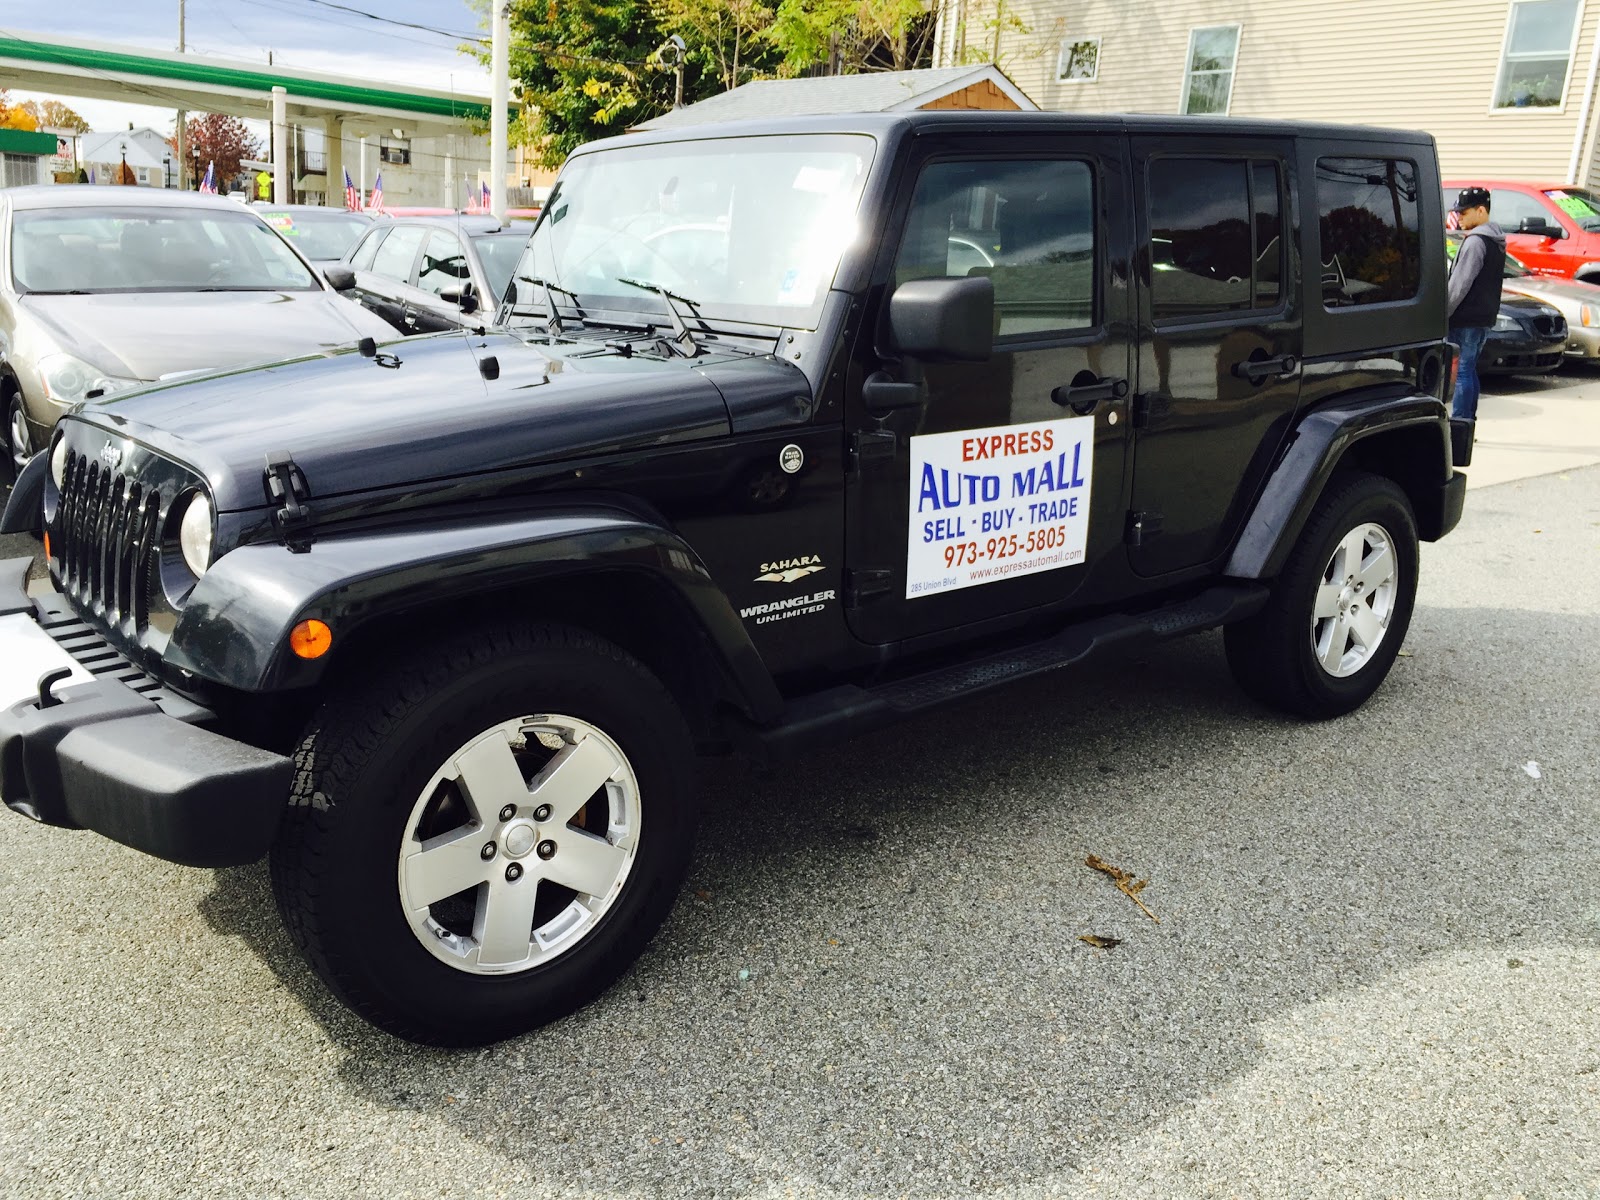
x: 1355, y: 600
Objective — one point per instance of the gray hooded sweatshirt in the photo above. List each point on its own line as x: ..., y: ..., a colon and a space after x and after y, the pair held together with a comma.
x: 1469, y: 261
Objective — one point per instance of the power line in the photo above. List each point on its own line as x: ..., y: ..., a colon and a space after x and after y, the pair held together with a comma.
x: 398, y: 37
x: 372, y: 16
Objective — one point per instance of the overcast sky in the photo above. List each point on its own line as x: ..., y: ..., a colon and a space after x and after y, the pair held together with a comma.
x: 299, y: 33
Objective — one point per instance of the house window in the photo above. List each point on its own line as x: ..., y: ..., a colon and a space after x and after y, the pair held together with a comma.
x: 1208, y: 80
x: 395, y: 150
x: 1371, y: 248
x: 1537, y: 54
x: 1079, y: 61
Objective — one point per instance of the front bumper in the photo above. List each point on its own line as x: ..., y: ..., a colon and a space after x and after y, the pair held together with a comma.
x: 1521, y: 354
x: 127, y: 758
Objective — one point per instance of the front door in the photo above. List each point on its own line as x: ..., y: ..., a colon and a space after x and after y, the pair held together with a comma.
x: 1219, y: 356
x: 1004, y: 492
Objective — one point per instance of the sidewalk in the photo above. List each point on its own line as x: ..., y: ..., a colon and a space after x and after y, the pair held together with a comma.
x: 1536, y: 425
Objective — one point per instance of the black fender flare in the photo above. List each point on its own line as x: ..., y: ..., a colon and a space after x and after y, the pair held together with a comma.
x: 25, y: 509
x: 234, y: 629
x: 1320, y: 441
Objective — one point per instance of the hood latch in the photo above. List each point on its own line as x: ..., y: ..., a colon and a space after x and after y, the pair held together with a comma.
x: 288, y: 490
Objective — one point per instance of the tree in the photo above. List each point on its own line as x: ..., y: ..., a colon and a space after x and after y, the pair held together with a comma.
x: 15, y: 116
x: 851, y: 36
x: 221, y: 140
x: 54, y: 114
x: 726, y: 42
x: 588, y: 69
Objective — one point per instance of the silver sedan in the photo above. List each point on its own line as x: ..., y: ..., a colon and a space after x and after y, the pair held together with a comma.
x: 103, y: 289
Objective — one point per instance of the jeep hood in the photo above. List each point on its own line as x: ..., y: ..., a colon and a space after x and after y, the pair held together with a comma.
x: 422, y: 410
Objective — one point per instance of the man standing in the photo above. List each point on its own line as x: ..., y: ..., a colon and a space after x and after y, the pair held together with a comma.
x: 1474, y: 293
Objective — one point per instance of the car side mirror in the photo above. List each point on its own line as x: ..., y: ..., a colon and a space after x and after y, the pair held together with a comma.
x: 943, y: 320
x: 340, y: 277
x: 463, y: 295
x: 1539, y: 227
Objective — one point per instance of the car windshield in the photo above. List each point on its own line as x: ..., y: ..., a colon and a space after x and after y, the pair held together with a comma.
x: 318, y: 235
x: 499, y: 253
x: 1582, y: 205
x: 134, y: 249
x: 749, y: 229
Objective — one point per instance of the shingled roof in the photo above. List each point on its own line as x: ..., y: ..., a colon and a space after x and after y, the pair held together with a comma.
x: 877, y: 91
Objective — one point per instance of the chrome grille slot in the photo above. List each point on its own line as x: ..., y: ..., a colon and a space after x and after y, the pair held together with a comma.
x: 109, y: 528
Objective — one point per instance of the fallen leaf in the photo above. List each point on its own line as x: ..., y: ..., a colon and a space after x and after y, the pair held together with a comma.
x: 702, y: 893
x: 1099, y: 942
x: 1126, y: 884
x: 1405, y: 654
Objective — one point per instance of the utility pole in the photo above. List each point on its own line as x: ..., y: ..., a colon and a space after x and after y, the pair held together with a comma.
x: 182, y: 131
x: 499, y: 99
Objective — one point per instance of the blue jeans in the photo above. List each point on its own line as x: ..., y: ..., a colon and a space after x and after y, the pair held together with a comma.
x: 1468, y: 342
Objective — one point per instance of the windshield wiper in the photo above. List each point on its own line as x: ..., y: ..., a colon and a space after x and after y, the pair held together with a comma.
x: 685, y: 341
x: 552, y: 313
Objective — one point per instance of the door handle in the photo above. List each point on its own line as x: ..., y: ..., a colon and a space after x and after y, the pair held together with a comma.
x: 1082, y: 397
x: 1258, y: 370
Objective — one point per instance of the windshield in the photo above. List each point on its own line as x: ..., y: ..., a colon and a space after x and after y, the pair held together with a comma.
x: 1582, y: 205
x: 498, y: 252
x: 749, y: 229
x: 151, y: 250
x: 319, y: 236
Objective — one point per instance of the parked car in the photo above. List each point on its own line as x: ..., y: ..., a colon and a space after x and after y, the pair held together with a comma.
x: 1529, y: 337
x: 320, y: 233
x: 428, y: 274
x: 446, y: 633
x: 106, y: 289
x: 1552, y: 228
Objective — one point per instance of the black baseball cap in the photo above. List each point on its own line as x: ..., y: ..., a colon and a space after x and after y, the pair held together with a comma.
x: 1471, y: 197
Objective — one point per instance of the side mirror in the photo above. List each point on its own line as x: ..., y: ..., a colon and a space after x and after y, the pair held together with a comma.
x: 944, y: 320
x: 340, y: 277
x: 1539, y: 227
x: 462, y: 295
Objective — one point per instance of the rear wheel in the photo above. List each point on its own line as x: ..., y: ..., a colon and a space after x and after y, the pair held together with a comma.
x: 481, y: 842
x: 1340, y: 610
x: 19, y: 438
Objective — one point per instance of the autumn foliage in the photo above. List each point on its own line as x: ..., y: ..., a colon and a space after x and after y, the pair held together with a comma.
x: 219, y: 139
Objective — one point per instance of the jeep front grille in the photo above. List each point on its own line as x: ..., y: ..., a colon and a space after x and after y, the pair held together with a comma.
x: 107, y: 533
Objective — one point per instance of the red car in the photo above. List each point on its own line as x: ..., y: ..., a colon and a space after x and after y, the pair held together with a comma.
x: 1552, y: 228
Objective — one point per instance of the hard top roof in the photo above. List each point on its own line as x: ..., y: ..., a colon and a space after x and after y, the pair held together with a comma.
x: 88, y: 195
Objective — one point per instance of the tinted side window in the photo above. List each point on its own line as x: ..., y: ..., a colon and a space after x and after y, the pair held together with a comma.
x: 1371, y: 250
x: 1214, y: 244
x: 398, y: 253
x: 1029, y: 226
x: 1510, y: 209
x: 444, y: 263
x: 361, y: 260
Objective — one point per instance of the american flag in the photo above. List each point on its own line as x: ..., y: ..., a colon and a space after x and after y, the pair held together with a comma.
x: 483, y: 196
x: 208, y: 185
x: 376, y: 199
x: 352, y: 198
x: 1452, y: 220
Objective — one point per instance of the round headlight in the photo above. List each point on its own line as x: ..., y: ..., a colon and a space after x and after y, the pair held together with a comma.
x: 194, y: 534
x: 58, y: 463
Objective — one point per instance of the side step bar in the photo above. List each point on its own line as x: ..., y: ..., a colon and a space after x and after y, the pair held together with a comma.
x: 852, y: 709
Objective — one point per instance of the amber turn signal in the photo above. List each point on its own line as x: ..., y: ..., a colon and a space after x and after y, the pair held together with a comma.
x: 47, y: 555
x: 310, y: 639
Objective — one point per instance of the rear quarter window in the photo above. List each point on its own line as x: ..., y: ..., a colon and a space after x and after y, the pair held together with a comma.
x: 1371, y: 246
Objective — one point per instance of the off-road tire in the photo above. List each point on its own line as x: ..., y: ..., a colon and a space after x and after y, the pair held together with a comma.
x: 360, y: 764
x: 1271, y: 653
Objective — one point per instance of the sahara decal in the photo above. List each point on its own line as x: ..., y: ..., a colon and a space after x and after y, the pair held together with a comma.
x: 787, y: 570
x: 990, y: 504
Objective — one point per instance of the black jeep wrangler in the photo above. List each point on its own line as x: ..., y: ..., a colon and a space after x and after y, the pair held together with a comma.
x: 784, y: 432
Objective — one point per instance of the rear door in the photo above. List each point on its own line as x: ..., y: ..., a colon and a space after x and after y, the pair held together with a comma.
x: 1004, y: 491
x: 1219, y: 345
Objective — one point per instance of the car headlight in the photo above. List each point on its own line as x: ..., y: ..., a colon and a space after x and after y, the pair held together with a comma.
x: 68, y: 380
x: 194, y: 534
x: 58, y: 463
x: 1505, y: 325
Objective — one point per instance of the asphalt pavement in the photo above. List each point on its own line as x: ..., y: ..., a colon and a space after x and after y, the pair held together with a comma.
x: 1376, y: 970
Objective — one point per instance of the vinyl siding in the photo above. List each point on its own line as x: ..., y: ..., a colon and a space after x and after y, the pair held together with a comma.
x: 1414, y: 64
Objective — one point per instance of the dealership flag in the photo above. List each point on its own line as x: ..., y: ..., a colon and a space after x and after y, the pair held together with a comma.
x: 376, y: 199
x: 208, y: 185
x: 483, y: 195
x: 352, y: 199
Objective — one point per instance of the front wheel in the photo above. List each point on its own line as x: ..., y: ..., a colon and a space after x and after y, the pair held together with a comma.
x: 482, y: 841
x: 19, y: 439
x: 1340, y: 610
